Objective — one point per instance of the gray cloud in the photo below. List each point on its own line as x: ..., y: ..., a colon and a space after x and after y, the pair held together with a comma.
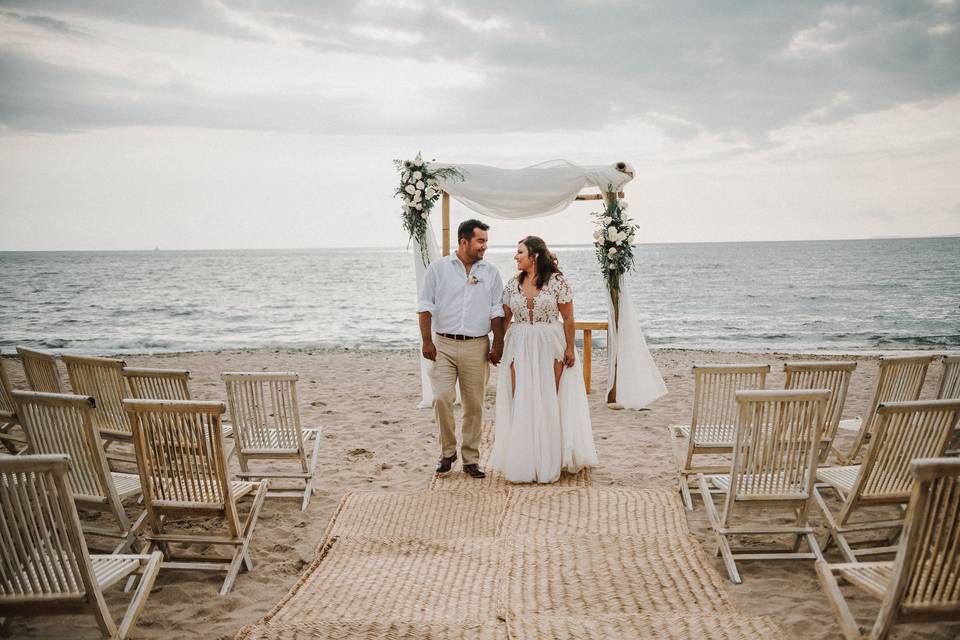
x: 723, y: 67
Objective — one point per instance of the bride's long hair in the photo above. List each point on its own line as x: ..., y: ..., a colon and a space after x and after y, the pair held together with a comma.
x: 546, y: 262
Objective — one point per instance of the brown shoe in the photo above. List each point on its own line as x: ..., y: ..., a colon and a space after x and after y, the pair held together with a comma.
x: 446, y: 463
x: 473, y: 471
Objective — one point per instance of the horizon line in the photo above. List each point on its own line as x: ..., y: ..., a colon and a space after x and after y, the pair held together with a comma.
x: 492, y: 246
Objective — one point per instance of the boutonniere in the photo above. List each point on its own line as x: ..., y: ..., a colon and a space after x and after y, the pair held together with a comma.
x: 473, y: 279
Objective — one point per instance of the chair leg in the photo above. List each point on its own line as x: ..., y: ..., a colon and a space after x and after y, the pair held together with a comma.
x: 102, y: 614
x: 722, y: 542
x: 685, y: 492
x: 135, y: 608
x: 838, y: 603
x: 242, y: 554
x: 308, y: 489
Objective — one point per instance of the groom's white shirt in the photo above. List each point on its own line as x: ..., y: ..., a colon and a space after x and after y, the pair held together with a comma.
x: 456, y: 305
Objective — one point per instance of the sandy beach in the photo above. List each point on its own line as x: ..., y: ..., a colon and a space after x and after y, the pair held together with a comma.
x: 374, y: 438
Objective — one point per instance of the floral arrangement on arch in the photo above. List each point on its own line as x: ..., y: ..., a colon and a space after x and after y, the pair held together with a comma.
x: 613, y: 239
x: 419, y: 191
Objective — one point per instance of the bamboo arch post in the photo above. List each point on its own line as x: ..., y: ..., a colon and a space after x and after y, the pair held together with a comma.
x: 445, y: 211
x: 608, y: 197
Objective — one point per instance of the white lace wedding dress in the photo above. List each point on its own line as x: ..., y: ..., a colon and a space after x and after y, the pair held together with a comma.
x: 540, y: 430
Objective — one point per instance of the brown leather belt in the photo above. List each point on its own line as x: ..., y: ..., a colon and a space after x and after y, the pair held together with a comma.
x: 453, y: 336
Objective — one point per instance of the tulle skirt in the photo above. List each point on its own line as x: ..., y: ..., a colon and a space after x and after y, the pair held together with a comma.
x: 540, y: 430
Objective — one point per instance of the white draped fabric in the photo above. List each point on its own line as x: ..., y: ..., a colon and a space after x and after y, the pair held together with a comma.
x: 638, y: 380
x: 433, y: 252
x: 542, y: 190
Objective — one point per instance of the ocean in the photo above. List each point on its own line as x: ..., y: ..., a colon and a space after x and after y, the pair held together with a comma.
x: 840, y: 296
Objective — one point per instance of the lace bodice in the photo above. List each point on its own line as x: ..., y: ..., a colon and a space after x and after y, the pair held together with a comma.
x: 554, y: 293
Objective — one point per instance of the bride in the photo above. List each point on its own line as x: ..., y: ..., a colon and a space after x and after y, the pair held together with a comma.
x: 543, y: 420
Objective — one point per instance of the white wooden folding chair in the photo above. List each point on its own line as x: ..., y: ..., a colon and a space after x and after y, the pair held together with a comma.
x: 41, y: 370
x: 922, y: 583
x: 713, y: 421
x: 899, y: 379
x: 904, y: 432
x: 57, y: 423
x: 266, y: 418
x: 8, y: 415
x: 45, y: 567
x: 775, y: 454
x: 183, y: 472
x: 823, y: 375
x: 144, y: 383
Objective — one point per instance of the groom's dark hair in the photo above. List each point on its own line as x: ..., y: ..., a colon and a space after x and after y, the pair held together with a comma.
x: 467, y: 227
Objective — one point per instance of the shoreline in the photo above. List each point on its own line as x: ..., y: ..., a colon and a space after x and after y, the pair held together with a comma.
x: 597, y: 349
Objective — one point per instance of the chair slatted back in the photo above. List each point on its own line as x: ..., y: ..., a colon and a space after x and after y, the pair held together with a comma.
x: 823, y: 375
x: 905, y: 431
x: 950, y: 382
x: 57, y: 423
x: 777, y: 443
x: 102, y: 379
x: 7, y: 407
x: 927, y: 569
x: 180, y: 455
x: 157, y: 384
x: 714, y: 397
x: 899, y: 379
x: 264, y: 410
x: 42, y: 554
x: 41, y: 370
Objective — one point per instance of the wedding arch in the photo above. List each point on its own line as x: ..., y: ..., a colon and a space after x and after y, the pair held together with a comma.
x: 544, y: 189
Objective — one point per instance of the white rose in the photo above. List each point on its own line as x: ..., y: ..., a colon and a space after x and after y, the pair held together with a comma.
x: 611, y: 266
x: 612, y: 251
x: 619, y: 241
x: 424, y: 215
x: 417, y: 197
x: 607, y: 220
x: 418, y: 207
x: 409, y: 189
x: 431, y: 192
x: 417, y: 175
x: 612, y: 233
x: 420, y: 184
x: 623, y: 205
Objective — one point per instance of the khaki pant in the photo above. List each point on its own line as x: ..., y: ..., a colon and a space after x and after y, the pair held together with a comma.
x: 466, y: 360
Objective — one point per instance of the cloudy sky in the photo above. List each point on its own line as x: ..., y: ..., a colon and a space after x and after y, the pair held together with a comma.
x: 242, y: 124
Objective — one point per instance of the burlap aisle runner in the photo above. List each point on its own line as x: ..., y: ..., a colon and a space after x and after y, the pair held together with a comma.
x: 487, y: 560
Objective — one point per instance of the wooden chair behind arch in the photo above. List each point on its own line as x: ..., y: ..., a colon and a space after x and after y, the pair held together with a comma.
x: 823, y: 375
x: 899, y: 379
x: 46, y: 566
x: 714, y: 417
x: 905, y: 431
x: 102, y: 378
x: 57, y: 423
x: 41, y: 370
x: 183, y: 472
x: 265, y: 414
x: 146, y: 383
x: 921, y: 584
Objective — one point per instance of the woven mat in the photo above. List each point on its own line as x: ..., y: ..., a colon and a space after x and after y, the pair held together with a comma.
x: 430, y: 515
x: 688, y: 626
x: 452, y: 582
x: 490, y: 560
x: 587, y: 575
x: 322, y: 630
x: 614, y: 511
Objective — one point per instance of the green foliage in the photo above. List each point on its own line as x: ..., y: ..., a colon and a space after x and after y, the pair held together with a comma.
x: 613, y: 239
x: 418, y: 192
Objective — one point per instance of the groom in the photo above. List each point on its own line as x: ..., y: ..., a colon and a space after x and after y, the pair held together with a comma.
x: 460, y: 302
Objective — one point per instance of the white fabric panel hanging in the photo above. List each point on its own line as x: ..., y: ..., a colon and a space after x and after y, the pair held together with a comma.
x: 638, y: 380
x: 426, y: 366
x: 540, y: 190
